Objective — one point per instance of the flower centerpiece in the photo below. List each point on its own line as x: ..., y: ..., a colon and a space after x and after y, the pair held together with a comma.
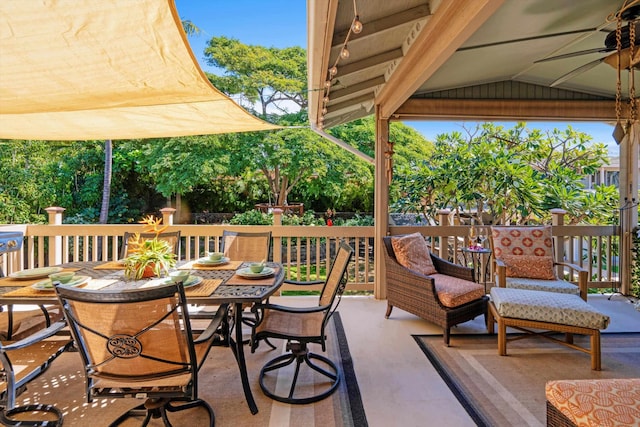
x: 149, y: 257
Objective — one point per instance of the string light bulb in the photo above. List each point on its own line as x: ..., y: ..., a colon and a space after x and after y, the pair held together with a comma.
x: 344, y: 53
x: 356, y: 26
x: 324, y: 111
x: 325, y: 99
x: 327, y: 84
x: 333, y: 70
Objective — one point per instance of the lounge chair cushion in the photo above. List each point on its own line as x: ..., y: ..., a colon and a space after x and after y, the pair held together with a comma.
x: 550, y: 307
x: 412, y: 252
x: 526, y: 251
x: 557, y: 285
x: 454, y: 292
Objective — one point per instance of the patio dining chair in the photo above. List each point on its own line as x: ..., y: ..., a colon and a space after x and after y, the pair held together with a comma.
x: 301, y: 326
x: 139, y: 344
x: 246, y: 246
x: 18, y: 324
x: 524, y: 259
x: 22, y: 361
x: 173, y: 237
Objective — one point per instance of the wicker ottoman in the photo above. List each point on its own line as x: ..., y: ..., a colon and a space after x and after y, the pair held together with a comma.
x: 609, y: 402
x: 526, y: 310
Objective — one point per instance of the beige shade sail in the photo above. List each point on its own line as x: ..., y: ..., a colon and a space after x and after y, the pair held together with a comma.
x: 96, y: 69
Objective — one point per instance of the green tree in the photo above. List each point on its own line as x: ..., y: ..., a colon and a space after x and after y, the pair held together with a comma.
x: 515, y: 175
x: 267, y: 77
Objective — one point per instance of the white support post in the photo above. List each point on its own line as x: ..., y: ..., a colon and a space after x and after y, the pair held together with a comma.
x: 55, y: 242
x: 277, y: 242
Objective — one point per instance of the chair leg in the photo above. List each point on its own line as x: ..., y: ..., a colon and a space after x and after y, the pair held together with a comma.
x: 6, y: 417
x: 447, y: 335
x: 300, y: 354
x: 158, y: 408
x: 388, y: 313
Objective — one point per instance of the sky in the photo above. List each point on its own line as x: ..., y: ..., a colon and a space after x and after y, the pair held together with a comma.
x: 283, y: 23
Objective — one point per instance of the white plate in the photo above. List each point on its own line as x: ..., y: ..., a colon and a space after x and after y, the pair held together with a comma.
x: 45, y: 285
x: 207, y: 261
x: 248, y: 274
x: 191, y: 281
x: 35, y: 273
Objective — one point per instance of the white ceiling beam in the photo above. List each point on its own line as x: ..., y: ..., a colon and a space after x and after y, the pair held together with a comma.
x: 372, y: 28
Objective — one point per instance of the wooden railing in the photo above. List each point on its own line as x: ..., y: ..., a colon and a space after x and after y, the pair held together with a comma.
x: 305, y: 251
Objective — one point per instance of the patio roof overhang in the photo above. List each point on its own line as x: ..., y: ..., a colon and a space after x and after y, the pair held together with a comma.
x: 465, y: 60
x: 87, y: 70
x: 461, y: 59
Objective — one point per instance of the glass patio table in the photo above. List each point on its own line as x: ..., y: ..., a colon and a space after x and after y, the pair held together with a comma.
x: 220, y: 285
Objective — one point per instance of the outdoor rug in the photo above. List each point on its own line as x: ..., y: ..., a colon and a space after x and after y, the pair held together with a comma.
x: 509, y: 390
x: 219, y: 385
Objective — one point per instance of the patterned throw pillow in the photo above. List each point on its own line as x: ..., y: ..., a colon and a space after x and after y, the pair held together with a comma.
x: 526, y: 251
x: 412, y: 252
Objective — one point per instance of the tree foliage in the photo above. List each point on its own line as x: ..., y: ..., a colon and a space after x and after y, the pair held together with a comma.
x: 514, y: 175
x: 267, y: 77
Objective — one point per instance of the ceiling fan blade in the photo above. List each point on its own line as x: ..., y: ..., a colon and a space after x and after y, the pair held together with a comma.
x: 577, y: 71
x: 572, y: 54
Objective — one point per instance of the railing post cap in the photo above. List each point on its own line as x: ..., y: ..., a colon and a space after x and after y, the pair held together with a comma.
x: 558, y: 211
x: 444, y: 211
x: 55, y: 209
x: 277, y: 211
x: 168, y: 210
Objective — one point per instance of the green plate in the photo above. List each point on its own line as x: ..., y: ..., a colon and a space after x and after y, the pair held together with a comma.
x: 191, y: 281
x: 46, y: 285
x: 35, y: 273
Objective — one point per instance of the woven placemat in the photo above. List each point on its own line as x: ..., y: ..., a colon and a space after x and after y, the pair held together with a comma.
x: 29, y: 292
x: 111, y: 265
x: 204, y: 289
x: 231, y: 265
x: 10, y: 281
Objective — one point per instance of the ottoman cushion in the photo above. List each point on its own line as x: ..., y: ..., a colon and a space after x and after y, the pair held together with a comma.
x: 606, y: 402
x: 550, y: 307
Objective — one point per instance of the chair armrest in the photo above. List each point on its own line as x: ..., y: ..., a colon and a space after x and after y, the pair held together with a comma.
x: 287, y: 309
x: 36, y: 337
x: 299, y: 283
x: 214, y: 325
x: 572, y: 266
x: 450, y: 269
x: 501, y: 273
x: 583, y: 277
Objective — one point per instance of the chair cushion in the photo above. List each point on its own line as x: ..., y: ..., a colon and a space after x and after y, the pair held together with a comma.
x: 561, y: 286
x: 412, y: 252
x: 602, y: 402
x: 454, y: 292
x: 547, y: 307
x: 526, y: 251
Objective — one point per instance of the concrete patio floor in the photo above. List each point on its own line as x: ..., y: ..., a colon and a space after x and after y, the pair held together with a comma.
x: 399, y: 386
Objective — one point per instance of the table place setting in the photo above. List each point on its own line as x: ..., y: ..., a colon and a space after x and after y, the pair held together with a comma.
x: 31, y: 276
x: 204, y: 264
x: 258, y: 273
x: 36, y: 288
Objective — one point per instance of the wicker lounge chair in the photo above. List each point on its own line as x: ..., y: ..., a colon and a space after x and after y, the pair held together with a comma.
x: 417, y: 294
